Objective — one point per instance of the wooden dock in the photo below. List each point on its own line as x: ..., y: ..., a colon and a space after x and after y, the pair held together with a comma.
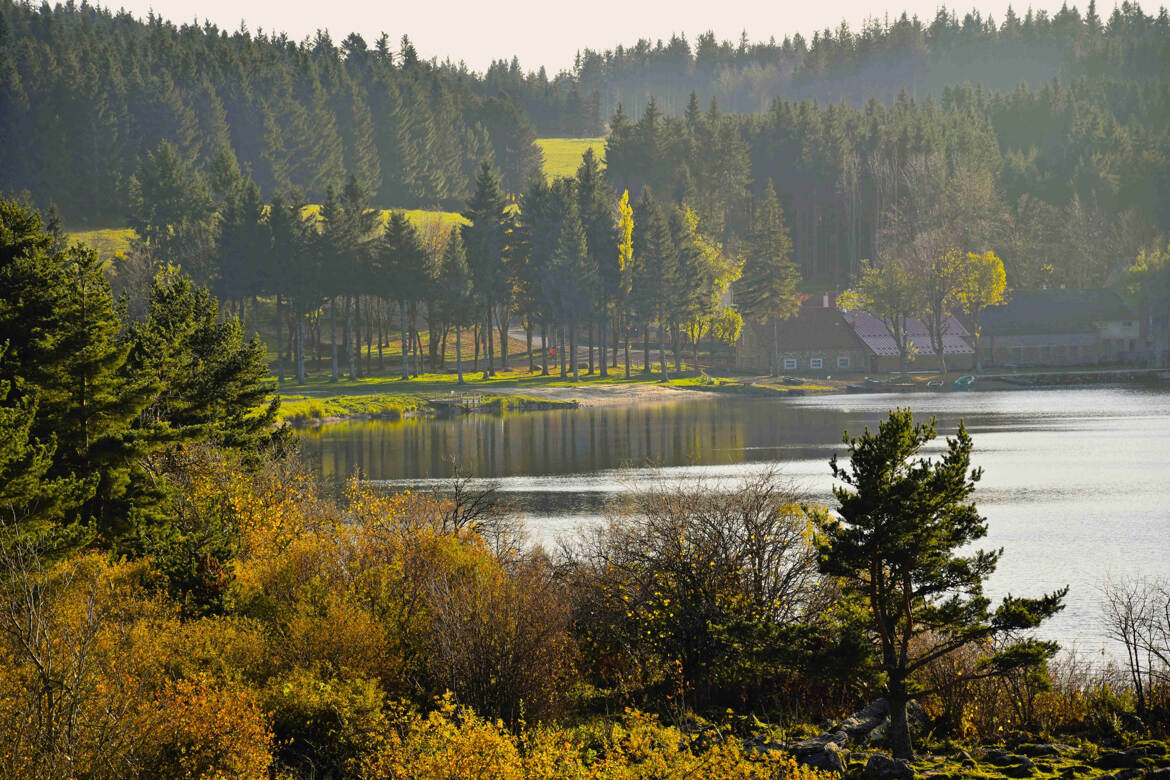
x: 455, y: 403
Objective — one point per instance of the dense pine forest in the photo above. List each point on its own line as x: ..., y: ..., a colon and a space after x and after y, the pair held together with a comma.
x: 86, y: 93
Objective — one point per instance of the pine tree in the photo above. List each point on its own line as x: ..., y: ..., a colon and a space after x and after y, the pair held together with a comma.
x: 486, y: 241
x: 901, y: 520
x: 766, y: 292
x: 455, y: 286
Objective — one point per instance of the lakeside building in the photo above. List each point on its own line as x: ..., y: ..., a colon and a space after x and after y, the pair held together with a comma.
x: 821, y: 340
x: 817, y: 340
x: 883, y: 348
x: 1061, y: 328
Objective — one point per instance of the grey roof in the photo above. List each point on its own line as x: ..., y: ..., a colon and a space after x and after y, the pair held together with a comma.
x: 1054, y: 311
x: 817, y: 329
x: 880, y: 341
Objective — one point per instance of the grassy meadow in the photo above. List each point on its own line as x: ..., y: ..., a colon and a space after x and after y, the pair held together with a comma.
x: 562, y: 156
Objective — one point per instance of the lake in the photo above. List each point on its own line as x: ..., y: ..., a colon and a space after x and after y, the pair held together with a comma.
x: 1076, y: 483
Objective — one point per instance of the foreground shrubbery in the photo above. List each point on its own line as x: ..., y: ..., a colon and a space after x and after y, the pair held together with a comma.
x: 413, y: 635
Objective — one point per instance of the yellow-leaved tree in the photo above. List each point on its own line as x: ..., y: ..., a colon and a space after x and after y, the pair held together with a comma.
x: 982, y: 284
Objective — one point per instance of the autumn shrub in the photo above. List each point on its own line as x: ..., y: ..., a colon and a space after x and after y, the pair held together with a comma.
x: 452, y: 742
x: 711, y: 594
x: 211, y: 731
x: 91, y: 684
x: 326, y: 726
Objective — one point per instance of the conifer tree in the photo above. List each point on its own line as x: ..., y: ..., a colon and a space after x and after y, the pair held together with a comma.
x: 486, y: 240
x: 455, y: 286
x: 901, y: 521
x: 766, y: 292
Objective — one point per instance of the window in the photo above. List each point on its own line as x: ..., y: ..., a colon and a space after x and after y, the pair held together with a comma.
x: 843, y: 361
x: 816, y: 363
x: 789, y: 364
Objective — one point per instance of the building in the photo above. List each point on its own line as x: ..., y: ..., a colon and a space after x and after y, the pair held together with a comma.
x: 884, y: 350
x: 816, y: 341
x: 1060, y: 328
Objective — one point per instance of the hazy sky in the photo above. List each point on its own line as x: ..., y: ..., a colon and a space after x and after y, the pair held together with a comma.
x: 544, y: 32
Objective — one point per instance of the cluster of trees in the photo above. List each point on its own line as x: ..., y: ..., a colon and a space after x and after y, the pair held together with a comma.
x: 565, y: 257
x: 95, y: 403
x: 887, y: 56
x: 85, y: 93
x: 1063, y: 183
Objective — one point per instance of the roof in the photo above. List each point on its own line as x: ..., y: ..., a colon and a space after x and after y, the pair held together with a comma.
x: 817, y: 329
x: 880, y: 341
x: 1031, y: 312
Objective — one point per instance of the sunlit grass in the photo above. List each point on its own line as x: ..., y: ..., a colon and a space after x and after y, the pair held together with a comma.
x: 562, y: 156
x: 108, y: 243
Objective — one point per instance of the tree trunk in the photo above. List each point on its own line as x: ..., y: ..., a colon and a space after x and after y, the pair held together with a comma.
x: 528, y: 339
x: 279, y: 342
x: 402, y: 318
x: 300, y: 349
x: 646, y: 348
x: 475, y: 341
x: 662, y: 353
x: 601, y: 353
x: 489, y: 344
x: 543, y: 348
x: 573, y: 350
x: 504, y: 321
x: 898, y: 736
x: 589, y: 346
x: 333, y: 336
x: 459, y: 351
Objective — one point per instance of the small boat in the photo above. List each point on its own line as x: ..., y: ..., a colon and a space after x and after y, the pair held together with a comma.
x: 858, y: 389
x: 869, y: 380
x: 965, y: 381
x: 935, y: 384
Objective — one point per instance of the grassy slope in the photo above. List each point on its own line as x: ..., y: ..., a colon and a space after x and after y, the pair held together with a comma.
x: 110, y: 242
x: 562, y: 156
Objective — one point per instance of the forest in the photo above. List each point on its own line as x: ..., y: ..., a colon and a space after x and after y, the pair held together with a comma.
x: 85, y: 93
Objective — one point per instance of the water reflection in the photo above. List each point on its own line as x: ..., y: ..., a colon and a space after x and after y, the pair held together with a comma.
x: 1075, y: 484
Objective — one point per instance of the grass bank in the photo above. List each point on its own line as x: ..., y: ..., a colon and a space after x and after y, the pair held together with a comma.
x: 562, y: 156
x: 320, y: 400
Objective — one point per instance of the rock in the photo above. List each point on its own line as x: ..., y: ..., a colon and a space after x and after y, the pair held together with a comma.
x: 1119, y: 760
x: 1158, y: 774
x: 1046, y: 749
x: 817, y: 744
x: 862, y: 722
x: 829, y: 759
x: 1018, y: 770
x: 884, y: 768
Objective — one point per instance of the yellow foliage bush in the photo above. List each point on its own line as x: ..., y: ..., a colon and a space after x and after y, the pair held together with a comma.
x: 454, y: 743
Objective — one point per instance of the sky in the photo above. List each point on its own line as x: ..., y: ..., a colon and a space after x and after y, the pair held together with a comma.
x: 545, y: 32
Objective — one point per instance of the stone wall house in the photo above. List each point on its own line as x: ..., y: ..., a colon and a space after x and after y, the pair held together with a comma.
x: 817, y: 341
x: 1061, y: 328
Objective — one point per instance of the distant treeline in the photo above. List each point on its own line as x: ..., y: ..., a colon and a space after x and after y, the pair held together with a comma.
x: 1065, y: 183
x: 879, y: 61
x: 85, y: 93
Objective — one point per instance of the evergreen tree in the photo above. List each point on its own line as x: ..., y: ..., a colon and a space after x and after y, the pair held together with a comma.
x: 901, y: 520
x: 455, y: 286
x: 486, y: 241
x: 766, y: 292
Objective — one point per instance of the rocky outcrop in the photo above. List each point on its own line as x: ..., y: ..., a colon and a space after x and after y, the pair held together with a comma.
x: 868, y: 725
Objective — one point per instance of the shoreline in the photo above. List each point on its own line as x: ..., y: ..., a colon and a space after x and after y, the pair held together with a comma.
x: 308, y: 409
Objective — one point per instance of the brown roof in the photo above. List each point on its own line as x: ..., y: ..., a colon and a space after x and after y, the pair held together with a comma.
x: 817, y: 329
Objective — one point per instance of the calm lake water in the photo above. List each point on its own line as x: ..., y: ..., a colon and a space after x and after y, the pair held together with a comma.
x: 1076, y: 483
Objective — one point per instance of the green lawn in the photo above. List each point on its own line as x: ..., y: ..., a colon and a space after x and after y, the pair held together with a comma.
x: 562, y: 156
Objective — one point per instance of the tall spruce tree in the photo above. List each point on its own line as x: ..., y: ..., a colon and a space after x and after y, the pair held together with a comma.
x: 766, y: 292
